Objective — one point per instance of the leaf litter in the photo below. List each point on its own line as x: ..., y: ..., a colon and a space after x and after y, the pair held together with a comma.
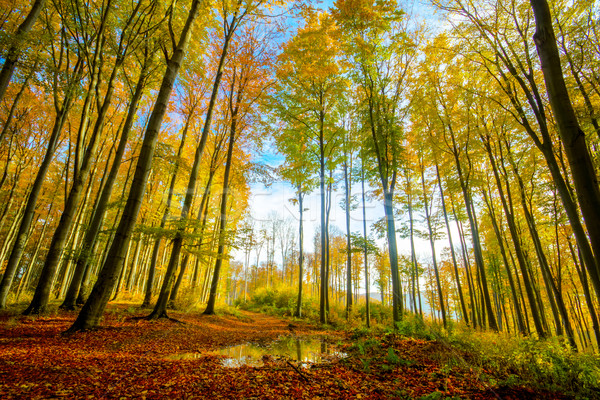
x: 134, y: 358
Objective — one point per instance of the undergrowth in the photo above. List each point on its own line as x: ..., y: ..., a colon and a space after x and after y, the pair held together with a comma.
x: 500, y: 359
x: 505, y: 360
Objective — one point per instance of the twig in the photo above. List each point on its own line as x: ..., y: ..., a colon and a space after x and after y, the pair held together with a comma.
x: 298, y: 371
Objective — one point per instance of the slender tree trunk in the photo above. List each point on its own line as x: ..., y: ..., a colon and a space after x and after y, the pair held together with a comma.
x: 454, y: 263
x: 19, y: 243
x: 472, y: 295
x: 507, y: 205
x: 586, y: 292
x: 388, y: 207
x: 160, y: 309
x: 42, y: 292
x: 554, y: 295
x: 416, y: 291
x: 477, y: 251
x: 17, y: 46
x: 328, y: 275
x: 520, y: 323
x: 212, y: 298
x: 365, y: 249
x: 15, y: 102
x: 323, y: 285
x: 298, y: 312
x: 78, y: 291
x: 177, y: 286
x: 432, y: 244
x: 89, y: 317
x: 12, y: 231
x: 165, y: 216
x: 136, y: 262
x: 545, y: 145
x: 347, y: 181
x: 572, y: 137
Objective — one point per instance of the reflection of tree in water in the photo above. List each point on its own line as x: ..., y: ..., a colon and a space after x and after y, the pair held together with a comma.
x: 305, y: 351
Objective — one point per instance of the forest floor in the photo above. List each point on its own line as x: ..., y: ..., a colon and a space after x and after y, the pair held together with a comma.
x: 164, y: 359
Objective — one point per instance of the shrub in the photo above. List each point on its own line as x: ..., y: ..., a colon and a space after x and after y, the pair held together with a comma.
x: 380, y: 314
x: 278, y: 301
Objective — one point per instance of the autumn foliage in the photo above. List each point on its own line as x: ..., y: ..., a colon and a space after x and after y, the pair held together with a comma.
x: 459, y: 142
x: 135, y: 358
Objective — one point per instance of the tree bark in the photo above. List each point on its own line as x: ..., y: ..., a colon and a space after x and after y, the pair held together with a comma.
x: 160, y: 309
x: 347, y: 183
x: 452, y: 253
x: 19, y: 243
x: 214, y: 286
x: 83, y: 257
x: 90, y: 314
x: 571, y: 134
x: 298, y: 312
x: 165, y: 216
x: 365, y: 251
x: 432, y: 244
x: 15, y: 50
x: 81, y: 172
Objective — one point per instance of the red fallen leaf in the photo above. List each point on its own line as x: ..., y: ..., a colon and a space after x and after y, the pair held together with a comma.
x: 129, y: 360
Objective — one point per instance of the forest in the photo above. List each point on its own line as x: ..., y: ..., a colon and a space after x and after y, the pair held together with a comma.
x: 134, y: 135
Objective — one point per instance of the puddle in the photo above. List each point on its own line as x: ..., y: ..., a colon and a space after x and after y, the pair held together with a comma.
x: 302, y: 351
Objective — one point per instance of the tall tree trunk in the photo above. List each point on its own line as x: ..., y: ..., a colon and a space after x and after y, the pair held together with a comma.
x: 432, y: 244
x: 454, y: 263
x: 90, y: 314
x: 497, y: 230
x: 160, y: 309
x: 81, y: 172
x: 475, y: 317
x: 554, y: 295
x: 19, y: 243
x: 14, y: 104
x: 572, y: 136
x: 182, y: 271
x: 590, y: 246
x: 347, y: 183
x: 586, y: 292
x: 397, y: 305
x: 212, y: 298
x: 83, y: 257
x: 486, y: 300
x: 298, y: 312
x: 328, y: 275
x: 16, y: 47
x: 365, y: 249
x: 507, y: 205
x: 323, y: 285
x: 165, y: 216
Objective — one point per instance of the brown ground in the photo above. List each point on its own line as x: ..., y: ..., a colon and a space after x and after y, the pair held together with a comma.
x: 130, y: 358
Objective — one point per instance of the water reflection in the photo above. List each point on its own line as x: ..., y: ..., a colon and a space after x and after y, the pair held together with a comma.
x: 304, y: 351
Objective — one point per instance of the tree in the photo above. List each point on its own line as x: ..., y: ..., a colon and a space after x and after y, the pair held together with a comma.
x: 506, y: 54
x: 17, y: 46
x: 380, y: 48
x: 90, y: 314
x: 572, y: 136
x: 66, y: 80
x: 249, y: 79
x: 305, y: 100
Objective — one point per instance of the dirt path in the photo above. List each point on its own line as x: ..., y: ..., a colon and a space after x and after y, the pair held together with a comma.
x: 132, y: 358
